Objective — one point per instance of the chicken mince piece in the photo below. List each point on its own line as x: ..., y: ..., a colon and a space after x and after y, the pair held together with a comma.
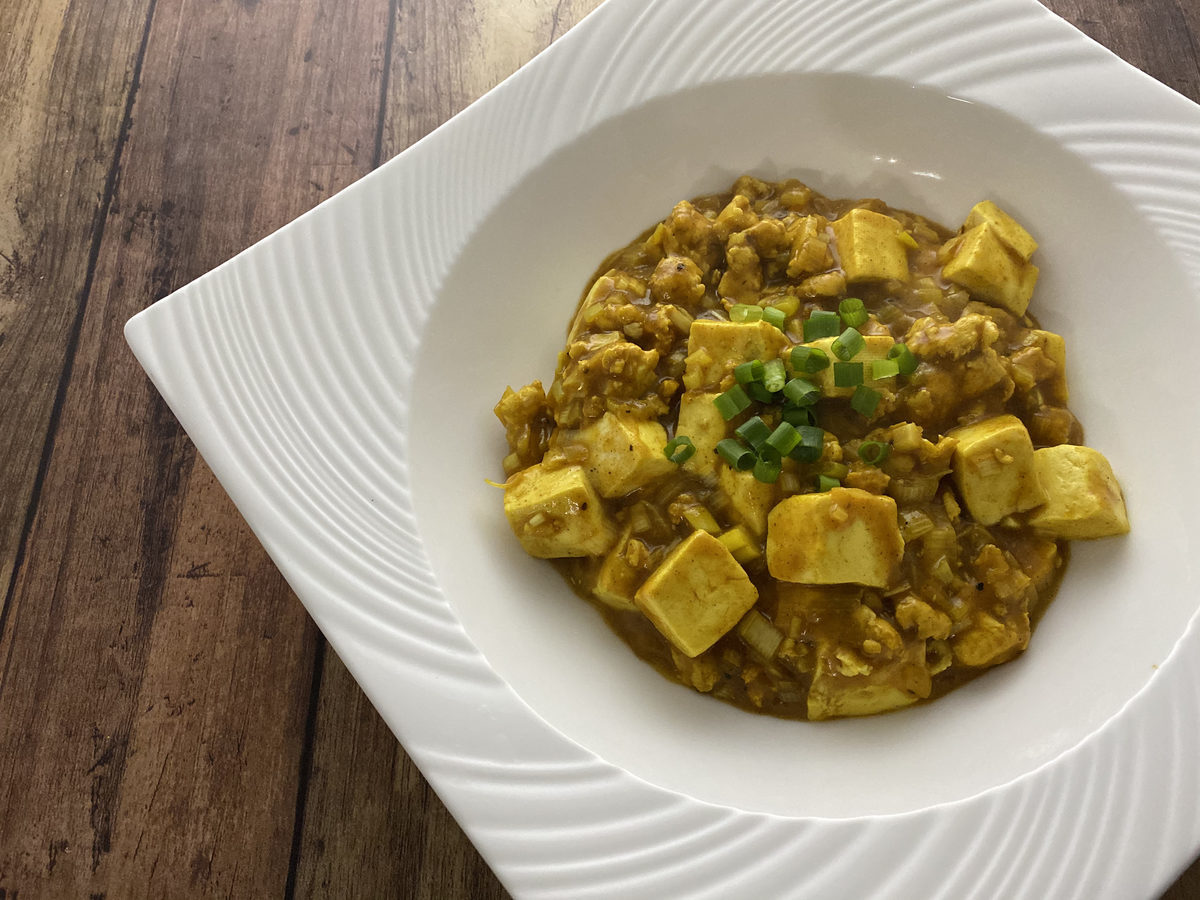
x: 810, y: 456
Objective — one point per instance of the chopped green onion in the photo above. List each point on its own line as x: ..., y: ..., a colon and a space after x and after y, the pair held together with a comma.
x: 745, y: 312
x: 754, y: 431
x: 865, y: 400
x: 679, y: 449
x: 873, y: 453
x: 767, y: 471
x: 821, y: 324
x: 748, y: 371
x: 834, y: 470
x: 783, y: 439
x: 735, y: 453
x: 773, y: 316
x: 799, y: 415
x: 847, y: 374
x: 774, y: 375
x: 809, y: 359
x: 802, y: 392
x: 903, y: 357
x: 853, y: 312
x: 848, y: 344
x: 884, y: 368
x: 810, y: 446
x: 758, y: 391
x: 825, y: 483
x: 733, y: 401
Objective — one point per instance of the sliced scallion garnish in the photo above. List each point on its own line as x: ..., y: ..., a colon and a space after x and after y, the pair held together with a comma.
x: 853, y: 312
x: 809, y: 359
x: 733, y: 401
x: 821, y: 324
x: 801, y: 392
x: 847, y: 374
x: 904, y: 358
x: 774, y: 375
x: 848, y: 344
x: 810, y: 446
x: 865, y: 400
x: 736, y: 454
x: 679, y: 449
x: 873, y: 453
x: 754, y: 431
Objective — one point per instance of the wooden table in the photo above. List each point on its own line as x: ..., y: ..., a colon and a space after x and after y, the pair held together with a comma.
x: 171, y: 722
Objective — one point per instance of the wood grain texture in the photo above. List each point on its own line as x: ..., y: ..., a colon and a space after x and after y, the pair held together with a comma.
x: 66, y: 74
x: 372, y: 826
x: 171, y: 724
x: 156, y: 670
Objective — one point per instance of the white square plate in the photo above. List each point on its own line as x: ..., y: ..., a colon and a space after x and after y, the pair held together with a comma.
x: 339, y: 376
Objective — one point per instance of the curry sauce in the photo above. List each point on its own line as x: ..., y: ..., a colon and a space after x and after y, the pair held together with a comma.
x: 811, y: 456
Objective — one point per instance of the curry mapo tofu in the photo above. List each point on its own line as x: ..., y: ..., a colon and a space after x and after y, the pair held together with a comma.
x: 811, y: 456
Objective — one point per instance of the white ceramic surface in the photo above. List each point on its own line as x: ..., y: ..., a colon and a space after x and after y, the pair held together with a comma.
x: 339, y: 378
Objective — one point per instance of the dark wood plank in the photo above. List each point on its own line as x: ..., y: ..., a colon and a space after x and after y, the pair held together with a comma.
x: 372, y: 825
x: 62, y: 104
x: 156, y: 672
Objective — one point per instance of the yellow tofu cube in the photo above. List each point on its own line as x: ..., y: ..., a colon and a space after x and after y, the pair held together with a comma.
x: 983, y: 264
x: 556, y: 513
x: 617, y: 580
x: 993, y: 469
x: 842, y: 536
x: 849, y: 683
x: 700, y: 420
x: 1083, y: 497
x: 697, y: 594
x: 989, y: 642
x: 716, y: 346
x: 624, y: 453
x: 749, y: 499
x: 875, y: 346
x: 1005, y: 226
x: 870, y: 247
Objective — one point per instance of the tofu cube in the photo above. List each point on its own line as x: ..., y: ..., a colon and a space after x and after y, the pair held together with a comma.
x: 842, y: 536
x: 617, y: 580
x: 848, y: 683
x: 870, y: 247
x: 1083, y: 497
x: 989, y: 642
x: 749, y: 499
x: 624, y: 453
x: 994, y: 470
x: 556, y: 513
x: 700, y: 420
x: 982, y: 263
x: 875, y: 346
x: 716, y: 346
x: 697, y: 594
x: 1005, y: 226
